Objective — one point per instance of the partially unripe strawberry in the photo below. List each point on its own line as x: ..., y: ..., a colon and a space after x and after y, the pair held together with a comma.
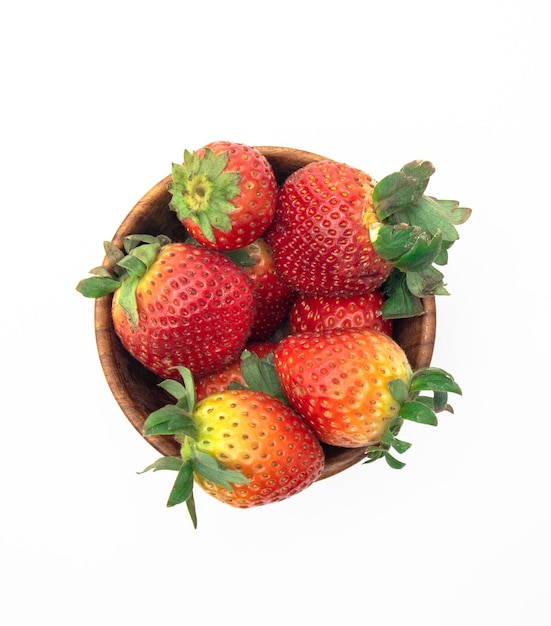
x: 255, y: 434
x: 354, y: 387
x: 338, y: 381
x: 244, y: 447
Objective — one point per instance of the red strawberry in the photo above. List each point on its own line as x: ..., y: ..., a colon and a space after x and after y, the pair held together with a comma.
x: 221, y: 379
x: 314, y: 313
x: 242, y: 446
x: 337, y: 233
x: 320, y: 237
x: 224, y: 194
x: 273, y: 295
x: 176, y: 304
x: 354, y: 387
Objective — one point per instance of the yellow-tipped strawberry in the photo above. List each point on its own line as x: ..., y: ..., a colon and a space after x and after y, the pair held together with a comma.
x: 355, y: 387
x: 244, y: 447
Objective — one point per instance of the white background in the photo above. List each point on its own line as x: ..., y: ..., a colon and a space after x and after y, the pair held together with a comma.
x: 98, y: 100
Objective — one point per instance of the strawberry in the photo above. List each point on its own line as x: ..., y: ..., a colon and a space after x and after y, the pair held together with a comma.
x: 230, y: 374
x: 354, y: 387
x: 274, y: 296
x: 175, y: 304
x: 241, y: 446
x: 336, y: 232
x: 314, y: 313
x: 224, y: 194
x: 320, y: 236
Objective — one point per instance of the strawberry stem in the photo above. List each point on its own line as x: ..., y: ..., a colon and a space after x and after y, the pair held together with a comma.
x: 414, y: 233
x: 415, y: 408
x: 177, y: 420
x: 124, y: 271
x: 259, y: 374
x: 202, y: 191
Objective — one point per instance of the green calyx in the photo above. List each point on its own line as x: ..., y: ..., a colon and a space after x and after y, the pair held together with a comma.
x: 259, y: 374
x: 124, y: 270
x: 177, y: 420
x: 415, y: 406
x: 414, y: 233
x: 202, y: 191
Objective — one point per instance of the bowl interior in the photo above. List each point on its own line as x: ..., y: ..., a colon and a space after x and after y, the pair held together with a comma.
x: 136, y: 389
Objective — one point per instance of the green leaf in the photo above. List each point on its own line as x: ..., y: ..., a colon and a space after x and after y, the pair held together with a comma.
x: 421, y: 255
x: 401, y: 188
x: 203, y: 221
x: 202, y: 190
x: 190, y: 503
x: 428, y: 282
x: 189, y: 386
x: 97, y: 286
x: 435, y: 215
x: 114, y: 255
x: 418, y: 412
x: 459, y: 214
x: 393, y: 462
x: 393, y: 241
x: 135, y: 267
x: 393, y: 442
x: 399, y: 390
x: 177, y: 202
x: 260, y: 375
x: 104, y: 272
x: 146, y: 253
x: 182, y: 489
x: 179, y: 177
x: 218, y: 217
x: 208, y: 467
x: 170, y: 420
x: 127, y: 299
x: 233, y: 384
x: 428, y: 401
x: 138, y: 239
x: 442, y: 258
x: 434, y: 379
x: 227, y: 185
x: 440, y: 402
x: 400, y: 446
x: 183, y: 485
x: 400, y: 302
x: 417, y: 231
x: 374, y: 453
x: 164, y: 463
x: 173, y: 387
x: 213, y: 165
x: 192, y: 162
x: 395, y: 425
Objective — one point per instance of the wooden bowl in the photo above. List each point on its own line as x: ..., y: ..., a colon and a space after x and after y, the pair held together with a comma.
x: 135, y: 388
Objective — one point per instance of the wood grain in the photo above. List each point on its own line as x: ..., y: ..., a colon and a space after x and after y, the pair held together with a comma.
x: 135, y: 388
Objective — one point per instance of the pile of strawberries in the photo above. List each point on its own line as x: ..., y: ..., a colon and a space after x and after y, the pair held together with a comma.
x: 270, y: 321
